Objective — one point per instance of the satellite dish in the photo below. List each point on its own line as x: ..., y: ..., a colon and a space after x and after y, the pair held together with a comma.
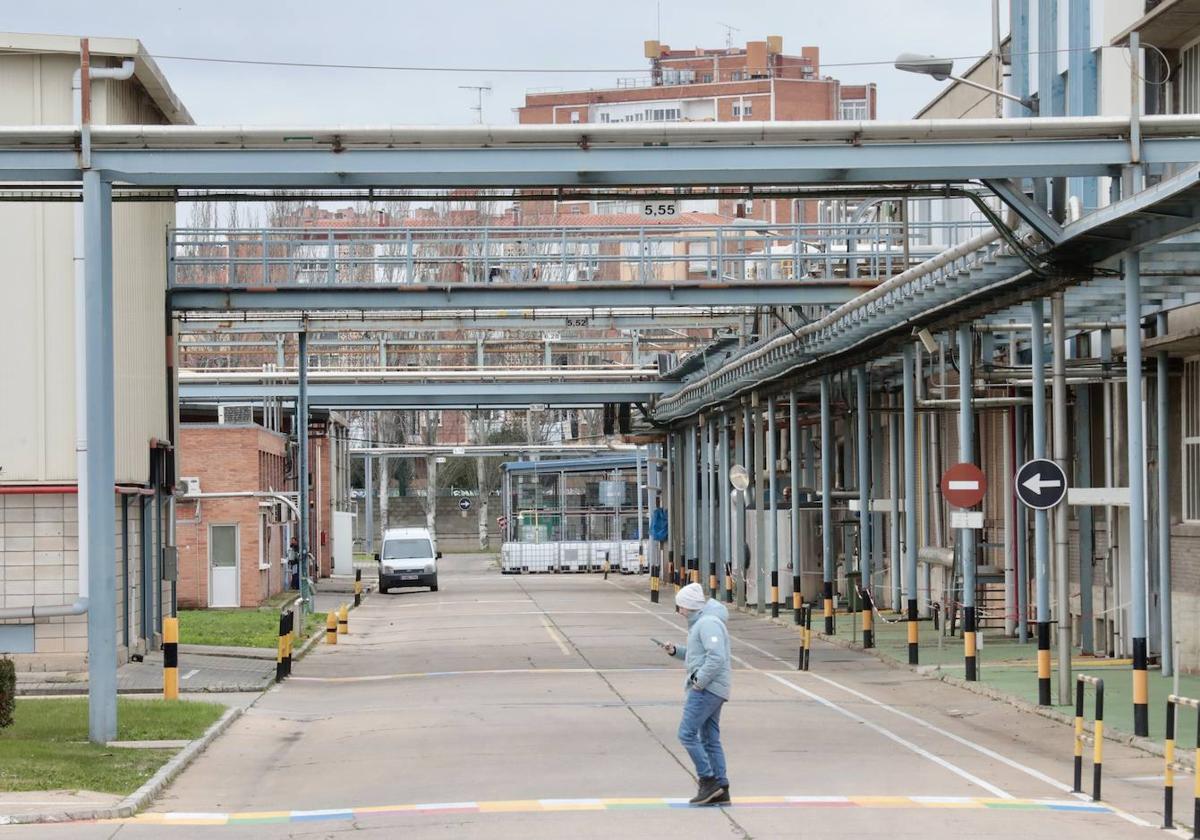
x: 739, y: 478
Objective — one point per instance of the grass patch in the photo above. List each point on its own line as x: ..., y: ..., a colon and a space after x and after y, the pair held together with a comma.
x: 257, y: 628
x: 46, y: 748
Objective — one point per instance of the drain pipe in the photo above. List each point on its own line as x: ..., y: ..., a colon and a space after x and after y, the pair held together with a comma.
x: 80, y: 606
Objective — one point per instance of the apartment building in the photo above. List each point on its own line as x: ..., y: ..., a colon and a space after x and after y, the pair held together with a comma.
x: 39, y: 544
x: 756, y: 82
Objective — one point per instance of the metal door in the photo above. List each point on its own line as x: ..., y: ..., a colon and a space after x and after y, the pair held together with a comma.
x: 223, y: 574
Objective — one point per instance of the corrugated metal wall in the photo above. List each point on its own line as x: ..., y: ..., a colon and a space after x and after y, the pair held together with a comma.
x: 37, y: 433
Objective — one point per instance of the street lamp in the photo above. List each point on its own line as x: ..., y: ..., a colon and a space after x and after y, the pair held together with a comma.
x: 943, y: 69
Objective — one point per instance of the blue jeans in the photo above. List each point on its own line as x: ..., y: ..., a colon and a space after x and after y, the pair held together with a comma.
x: 700, y: 734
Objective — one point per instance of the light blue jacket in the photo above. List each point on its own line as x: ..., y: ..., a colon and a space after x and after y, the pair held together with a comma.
x: 707, y: 654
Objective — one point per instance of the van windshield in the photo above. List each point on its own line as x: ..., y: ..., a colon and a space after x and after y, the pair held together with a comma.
x: 418, y: 549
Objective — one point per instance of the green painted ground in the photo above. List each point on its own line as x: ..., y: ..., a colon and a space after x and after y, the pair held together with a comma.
x: 1010, y: 667
x: 47, y: 748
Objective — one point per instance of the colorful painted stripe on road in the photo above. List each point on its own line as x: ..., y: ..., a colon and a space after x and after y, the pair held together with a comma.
x: 616, y: 804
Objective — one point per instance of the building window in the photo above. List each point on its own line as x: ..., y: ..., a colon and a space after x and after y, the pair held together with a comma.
x: 1191, y: 439
x: 605, y: 117
x: 662, y: 114
x: 706, y: 77
x: 670, y: 77
x: 687, y: 76
x: 574, y: 116
x: 854, y: 109
x: 743, y: 109
x: 738, y: 75
x: 1189, y: 80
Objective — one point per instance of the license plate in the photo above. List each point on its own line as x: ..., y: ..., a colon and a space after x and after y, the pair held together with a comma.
x: 409, y: 577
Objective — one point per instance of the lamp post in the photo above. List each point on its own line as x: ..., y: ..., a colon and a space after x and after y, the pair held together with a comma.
x: 942, y: 69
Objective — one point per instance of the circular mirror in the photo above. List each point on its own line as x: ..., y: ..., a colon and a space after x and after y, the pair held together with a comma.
x: 738, y: 477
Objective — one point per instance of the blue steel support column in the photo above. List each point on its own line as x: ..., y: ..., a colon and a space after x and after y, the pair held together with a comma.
x: 708, y: 571
x: 723, y: 507
x: 1087, y: 545
x: 1022, y: 531
x: 1050, y: 83
x: 864, y: 506
x: 894, y: 516
x: 910, y: 502
x: 794, y: 478
x: 1058, y: 334
x: 827, y: 467
x: 742, y: 545
x: 1082, y: 85
x: 1019, y: 48
x: 773, y: 507
x: 760, y: 518
x: 101, y: 468
x: 1166, y: 657
x: 1041, y: 536
x: 369, y: 498
x: 1137, y: 491
x: 690, y: 506
x: 966, y: 455
x: 301, y: 421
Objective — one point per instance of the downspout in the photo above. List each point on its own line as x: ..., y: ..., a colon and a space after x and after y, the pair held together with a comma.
x: 80, y: 606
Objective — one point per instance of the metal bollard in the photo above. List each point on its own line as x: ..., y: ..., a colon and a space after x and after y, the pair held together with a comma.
x: 695, y: 564
x: 1169, y: 758
x: 654, y: 584
x: 797, y: 602
x: 712, y: 582
x: 170, y: 650
x: 343, y: 618
x: 806, y: 636
x: 774, y: 593
x: 728, y: 583
x: 288, y: 638
x: 357, y: 587
x: 331, y: 628
x: 281, y: 649
x: 1081, y: 682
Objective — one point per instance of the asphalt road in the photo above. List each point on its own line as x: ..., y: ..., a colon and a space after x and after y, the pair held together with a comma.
x: 537, y: 707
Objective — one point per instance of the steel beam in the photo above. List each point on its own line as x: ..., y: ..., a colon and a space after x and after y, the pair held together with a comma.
x: 342, y: 297
x: 432, y: 395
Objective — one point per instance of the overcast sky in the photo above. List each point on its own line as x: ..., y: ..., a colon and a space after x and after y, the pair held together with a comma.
x: 539, y: 34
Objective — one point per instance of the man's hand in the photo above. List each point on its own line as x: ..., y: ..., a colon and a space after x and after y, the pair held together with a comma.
x: 669, y: 648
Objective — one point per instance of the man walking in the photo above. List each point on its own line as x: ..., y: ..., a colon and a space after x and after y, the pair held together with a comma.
x: 708, y: 682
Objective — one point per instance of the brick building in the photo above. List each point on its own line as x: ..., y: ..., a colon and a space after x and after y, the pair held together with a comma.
x: 757, y: 82
x: 231, y: 551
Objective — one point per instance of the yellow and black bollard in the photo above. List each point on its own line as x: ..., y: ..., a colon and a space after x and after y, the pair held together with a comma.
x: 970, y: 660
x: 331, y: 628
x: 281, y: 649
x: 868, y: 618
x: 830, y: 623
x: 1141, y: 690
x: 357, y: 587
x: 913, y: 637
x: 774, y: 593
x: 288, y: 638
x: 729, y: 583
x: 1081, y: 682
x: 170, y: 650
x: 712, y: 582
x: 797, y: 601
x: 1169, y: 758
x: 807, y: 636
x: 1043, y: 666
x: 343, y: 616
x: 654, y: 584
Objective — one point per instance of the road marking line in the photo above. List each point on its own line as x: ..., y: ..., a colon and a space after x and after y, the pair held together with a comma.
x: 556, y: 636
x: 884, y: 731
x: 190, y: 674
x: 483, y: 672
x: 614, y: 804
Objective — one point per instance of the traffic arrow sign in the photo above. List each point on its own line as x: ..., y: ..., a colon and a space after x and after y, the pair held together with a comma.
x: 464, y: 504
x: 1041, y: 484
x: 963, y: 485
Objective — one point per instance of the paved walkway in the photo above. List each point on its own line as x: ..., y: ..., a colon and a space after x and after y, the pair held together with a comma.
x: 537, y: 707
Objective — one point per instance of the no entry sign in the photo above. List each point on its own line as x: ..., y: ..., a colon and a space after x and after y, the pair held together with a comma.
x: 963, y: 485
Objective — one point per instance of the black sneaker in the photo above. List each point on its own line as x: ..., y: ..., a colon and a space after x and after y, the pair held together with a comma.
x: 709, y: 790
x: 721, y: 798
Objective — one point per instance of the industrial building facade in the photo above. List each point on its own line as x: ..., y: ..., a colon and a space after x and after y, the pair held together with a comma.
x: 38, y: 507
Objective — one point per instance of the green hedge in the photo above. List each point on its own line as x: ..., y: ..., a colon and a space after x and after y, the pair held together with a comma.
x: 8, y: 692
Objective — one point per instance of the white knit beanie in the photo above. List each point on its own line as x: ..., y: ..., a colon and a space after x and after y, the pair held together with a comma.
x: 691, y: 597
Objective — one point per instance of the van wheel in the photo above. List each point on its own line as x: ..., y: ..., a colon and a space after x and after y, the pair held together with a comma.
x: 382, y: 588
x: 433, y: 588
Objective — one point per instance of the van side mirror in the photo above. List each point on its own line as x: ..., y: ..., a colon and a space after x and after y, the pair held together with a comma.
x: 438, y: 555
x: 376, y: 558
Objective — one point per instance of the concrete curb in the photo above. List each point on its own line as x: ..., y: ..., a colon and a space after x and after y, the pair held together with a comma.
x: 1117, y: 736
x: 82, y: 690
x: 227, y: 652
x: 141, y: 797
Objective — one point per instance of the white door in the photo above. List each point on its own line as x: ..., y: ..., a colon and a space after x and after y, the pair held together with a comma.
x: 223, y: 584
x: 343, y: 543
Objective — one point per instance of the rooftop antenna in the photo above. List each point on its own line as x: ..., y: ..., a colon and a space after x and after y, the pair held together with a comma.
x: 729, y: 30
x: 478, y: 106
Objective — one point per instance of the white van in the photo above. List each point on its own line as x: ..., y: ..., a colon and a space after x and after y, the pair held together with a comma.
x: 408, y: 558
